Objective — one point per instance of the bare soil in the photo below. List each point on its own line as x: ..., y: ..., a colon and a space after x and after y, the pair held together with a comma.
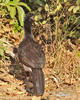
x: 12, y: 86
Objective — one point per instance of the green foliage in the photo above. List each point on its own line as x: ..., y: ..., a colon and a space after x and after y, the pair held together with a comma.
x: 3, y: 49
x: 21, y: 15
x: 38, y: 2
x: 13, y: 7
x: 17, y: 28
x: 63, y: 17
x: 78, y: 53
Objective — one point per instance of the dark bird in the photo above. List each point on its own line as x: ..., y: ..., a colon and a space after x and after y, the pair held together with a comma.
x: 31, y: 55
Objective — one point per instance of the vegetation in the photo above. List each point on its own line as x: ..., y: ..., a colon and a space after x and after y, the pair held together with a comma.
x: 11, y: 7
x: 58, y: 30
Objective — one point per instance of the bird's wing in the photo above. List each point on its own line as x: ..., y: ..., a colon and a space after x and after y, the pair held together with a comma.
x: 31, y: 54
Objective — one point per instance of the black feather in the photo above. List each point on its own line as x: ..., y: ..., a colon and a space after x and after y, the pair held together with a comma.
x: 31, y: 55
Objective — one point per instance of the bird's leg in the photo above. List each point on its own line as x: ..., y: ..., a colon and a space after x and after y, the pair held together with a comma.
x: 28, y: 82
x: 28, y: 79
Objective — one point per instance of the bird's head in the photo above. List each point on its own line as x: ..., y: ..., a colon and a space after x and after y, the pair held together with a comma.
x: 30, y: 18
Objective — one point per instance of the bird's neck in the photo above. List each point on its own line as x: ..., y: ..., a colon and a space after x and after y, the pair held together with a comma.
x: 28, y: 32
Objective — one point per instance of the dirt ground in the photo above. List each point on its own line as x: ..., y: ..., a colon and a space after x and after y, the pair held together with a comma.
x: 12, y: 86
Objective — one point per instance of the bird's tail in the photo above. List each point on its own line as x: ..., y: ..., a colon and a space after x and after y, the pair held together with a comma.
x: 38, y: 81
